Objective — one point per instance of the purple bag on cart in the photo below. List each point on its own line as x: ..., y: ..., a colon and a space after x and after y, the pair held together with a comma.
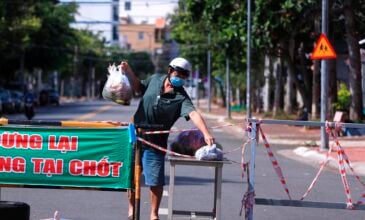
x: 188, y: 142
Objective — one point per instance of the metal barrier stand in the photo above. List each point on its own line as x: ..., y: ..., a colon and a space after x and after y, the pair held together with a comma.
x: 295, y: 203
x: 218, y: 165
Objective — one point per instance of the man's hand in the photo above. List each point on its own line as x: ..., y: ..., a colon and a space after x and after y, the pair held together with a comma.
x: 132, y: 77
x: 209, y: 139
x: 125, y: 67
x: 200, y: 124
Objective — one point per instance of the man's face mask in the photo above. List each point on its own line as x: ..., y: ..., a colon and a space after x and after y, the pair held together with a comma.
x: 177, y: 81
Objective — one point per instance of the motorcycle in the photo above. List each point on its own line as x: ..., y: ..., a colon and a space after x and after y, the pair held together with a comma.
x: 29, y: 107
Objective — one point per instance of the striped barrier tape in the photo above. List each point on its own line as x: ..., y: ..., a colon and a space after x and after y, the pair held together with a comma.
x: 344, y: 179
x: 274, y: 162
x: 314, y: 181
x: 244, y: 165
x: 341, y: 166
x: 182, y: 130
x: 163, y: 149
x: 345, y: 157
x: 248, y: 199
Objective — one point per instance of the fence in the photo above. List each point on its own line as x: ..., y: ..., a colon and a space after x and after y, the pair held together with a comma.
x: 254, y: 130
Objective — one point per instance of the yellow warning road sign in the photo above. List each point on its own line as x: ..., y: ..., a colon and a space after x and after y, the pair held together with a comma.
x: 323, y: 49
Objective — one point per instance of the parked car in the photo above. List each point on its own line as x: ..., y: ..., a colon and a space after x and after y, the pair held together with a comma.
x: 8, y: 105
x: 49, y: 96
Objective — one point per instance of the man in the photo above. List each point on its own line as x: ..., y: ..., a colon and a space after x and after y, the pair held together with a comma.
x: 163, y: 102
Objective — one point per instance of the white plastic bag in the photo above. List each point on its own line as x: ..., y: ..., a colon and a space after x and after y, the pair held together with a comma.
x: 117, y: 88
x: 209, y: 153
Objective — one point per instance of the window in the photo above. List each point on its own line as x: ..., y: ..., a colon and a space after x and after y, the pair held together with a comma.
x: 127, y: 6
x: 157, y: 35
x: 115, y: 35
x: 140, y: 35
x: 115, y: 13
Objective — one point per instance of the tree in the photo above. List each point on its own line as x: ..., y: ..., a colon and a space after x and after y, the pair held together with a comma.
x: 280, y: 30
x: 17, y: 23
x: 352, y: 39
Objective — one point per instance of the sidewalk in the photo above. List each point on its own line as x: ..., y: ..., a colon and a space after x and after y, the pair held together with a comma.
x: 305, y: 141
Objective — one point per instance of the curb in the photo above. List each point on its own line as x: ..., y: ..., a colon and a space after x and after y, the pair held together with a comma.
x: 314, y: 156
x: 301, y: 153
x: 285, y: 140
x: 311, y: 142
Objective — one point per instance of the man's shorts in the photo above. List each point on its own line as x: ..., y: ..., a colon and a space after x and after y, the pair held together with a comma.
x: 153, y: 164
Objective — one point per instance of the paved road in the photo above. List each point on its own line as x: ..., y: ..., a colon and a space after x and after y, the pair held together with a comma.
x: 194, y: 185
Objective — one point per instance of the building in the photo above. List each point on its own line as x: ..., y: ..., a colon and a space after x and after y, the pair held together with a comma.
x: 101, y: 16
x: 143, y: 37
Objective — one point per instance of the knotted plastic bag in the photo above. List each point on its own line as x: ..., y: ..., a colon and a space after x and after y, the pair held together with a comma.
x: 117, y: 88
x: 209, y: 153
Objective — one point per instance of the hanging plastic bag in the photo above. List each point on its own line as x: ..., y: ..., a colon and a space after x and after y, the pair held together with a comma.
x: 209, y: 153
x: 117, y: 88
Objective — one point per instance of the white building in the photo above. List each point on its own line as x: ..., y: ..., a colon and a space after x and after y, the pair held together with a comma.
x: 99, y: 15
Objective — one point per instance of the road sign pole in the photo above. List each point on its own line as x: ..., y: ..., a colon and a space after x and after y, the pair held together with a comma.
x: 324, y: 80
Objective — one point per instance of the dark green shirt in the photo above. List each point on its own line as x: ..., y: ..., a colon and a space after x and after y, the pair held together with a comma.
x: 157, y: 107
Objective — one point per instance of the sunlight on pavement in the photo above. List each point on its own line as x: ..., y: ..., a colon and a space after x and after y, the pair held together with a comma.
x: 94, y: 113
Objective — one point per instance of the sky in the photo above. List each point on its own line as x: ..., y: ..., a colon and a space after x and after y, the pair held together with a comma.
x: 100, y: 10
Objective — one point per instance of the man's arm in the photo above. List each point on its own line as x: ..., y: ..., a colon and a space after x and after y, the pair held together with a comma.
x: 136, y: 83
x: 200, y: 124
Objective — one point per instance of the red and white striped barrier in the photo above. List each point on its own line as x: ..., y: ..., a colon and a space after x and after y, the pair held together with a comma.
x: 341, y: 166
x: 181, y: 130
x: 163, y: 149
x: 345, y: 183
x: 345, y: 157
x: 274, y: 162
x: 341, y: 158
x: 314, y: 181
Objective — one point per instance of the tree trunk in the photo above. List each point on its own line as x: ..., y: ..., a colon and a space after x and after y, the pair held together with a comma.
x: 316, y: 66
x: 278, y: 66
x: 354, y: 62
x: 332, y: 86
x: 315, y: 88
x: 289, y: 89
x: 267, y: 86
x: 298, y: 84
x: 306, y: 75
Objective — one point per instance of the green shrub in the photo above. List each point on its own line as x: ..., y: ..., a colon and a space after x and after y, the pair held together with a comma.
x: 343, y: 98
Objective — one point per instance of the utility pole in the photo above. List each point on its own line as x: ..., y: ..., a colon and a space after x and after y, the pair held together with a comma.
x: 228, y: 90
x: 74, y: 76
x: 197, y: 85
x: 209, y: 77
x: 248, y: 71
x: 324, y: 79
